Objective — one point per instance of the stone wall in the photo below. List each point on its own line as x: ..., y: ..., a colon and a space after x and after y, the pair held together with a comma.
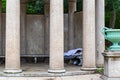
x: 66, y: 32
x: 78, y: 30
x: 3, y: 34
x: 35, y: 33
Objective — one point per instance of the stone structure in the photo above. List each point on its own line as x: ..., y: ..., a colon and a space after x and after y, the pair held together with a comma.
x: 22, y: 28
x: 111, y: 65
x: 99, y: 37
x: 89, y: 61
x: 12, y: 64
x: 56, y: 29
x: 0, y: 27
x: 56, y: 36
x: 78, y: 27
x: 71, y: 10
x: 35, y: 35
x: 47, y: 25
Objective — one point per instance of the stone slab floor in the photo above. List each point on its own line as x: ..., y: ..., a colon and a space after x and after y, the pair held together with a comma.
x: 38, y: 71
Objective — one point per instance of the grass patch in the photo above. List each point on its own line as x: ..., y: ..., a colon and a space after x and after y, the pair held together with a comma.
x: 99, y: 70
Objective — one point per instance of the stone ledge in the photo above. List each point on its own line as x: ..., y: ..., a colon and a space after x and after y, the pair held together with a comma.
x: 111, y: 53
x: 78, y: 77
x: 46, y: 74
x: 109, y: 78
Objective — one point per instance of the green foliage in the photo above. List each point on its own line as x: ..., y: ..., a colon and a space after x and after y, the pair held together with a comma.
x: 111, y: 5
x: 100, y: 70
x: 117, y: 23
x: 107, y: 18
x: 35, y: 7
x: 65, y: 6
x: 3, y: 6
x: 79, y: 5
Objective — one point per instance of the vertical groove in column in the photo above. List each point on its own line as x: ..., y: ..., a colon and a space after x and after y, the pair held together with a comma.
x: 100, y: 22
x: 12, y: 55
x: 89, y: 61
x: 56, y: 36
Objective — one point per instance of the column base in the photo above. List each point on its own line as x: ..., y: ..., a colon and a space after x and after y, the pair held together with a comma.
x: 56, y: 71
x: 88, y: 69
x: 8, y: 71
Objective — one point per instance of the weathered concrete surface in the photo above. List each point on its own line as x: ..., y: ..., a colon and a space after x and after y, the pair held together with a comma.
x: 35, y: 34
x: 37, y: 22
x: 56, y: 60
x: 3, y: 33
x: 34, y: 27
x: 47, y: 26
x: 12, y: 37
x: 89, y: 53
x: 71, y: 10
x: 23, y: 28
x: 65, y: 32
x: 100, y: 22
x: 41, y: 69
x: 78, y: 29
x: 78, y: 77
x: 112, y: 65
x: 83, y: 77
x: 0, y: 26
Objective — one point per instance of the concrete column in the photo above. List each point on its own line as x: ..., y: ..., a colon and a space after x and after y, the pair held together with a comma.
x: 71, y: 10
x: 100, y: 22
x: 0, y: 27
x: 47, y: 25
x: 89, y: 61
x: 23, y: 28
x: 56, y: 64
x: 12, y: 53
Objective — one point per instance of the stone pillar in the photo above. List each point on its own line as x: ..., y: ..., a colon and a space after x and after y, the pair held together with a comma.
x: 56, y: 37
x: 23, y: 28
x: 12, y: 54
x: 71, y: 10
x: 100, y: 22
x: 89, y: 61
x: 47, y: 25
x: 0, y: 27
